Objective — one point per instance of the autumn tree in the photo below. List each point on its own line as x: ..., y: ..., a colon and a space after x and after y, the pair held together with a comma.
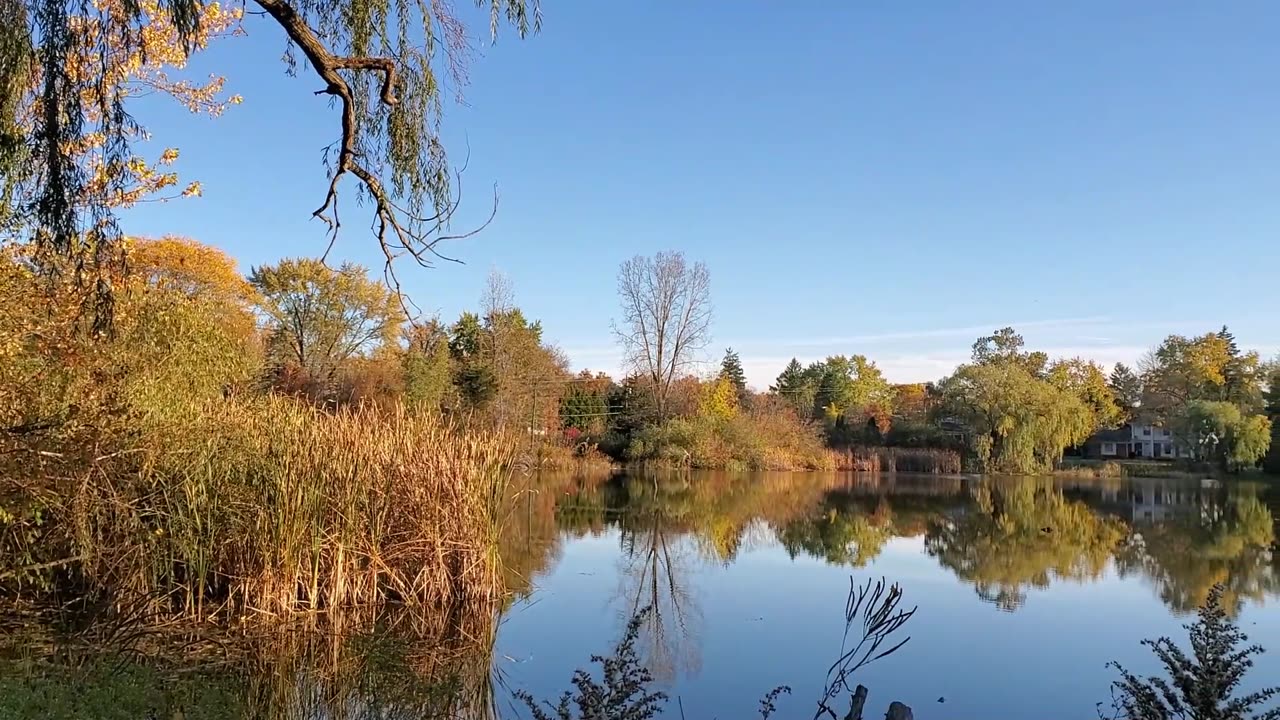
x: 1087, y: 381
x: 384, y: 68
x: 718, y: 399
x: 1209, y: 367
x: 185, y: 334
x: 852, y: 388
x: 78, y: 180
x: 913, y: 401
x: 318, y: 317
x: 666, y: 319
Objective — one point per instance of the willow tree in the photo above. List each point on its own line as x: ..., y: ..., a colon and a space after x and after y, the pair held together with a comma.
x: 1020, y: 422
x: 383, y: 64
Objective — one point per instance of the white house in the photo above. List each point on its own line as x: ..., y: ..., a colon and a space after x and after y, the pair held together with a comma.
x: 1135, y: 441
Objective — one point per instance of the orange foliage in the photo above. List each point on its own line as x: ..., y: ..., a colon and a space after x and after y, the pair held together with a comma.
x: 150, y: 65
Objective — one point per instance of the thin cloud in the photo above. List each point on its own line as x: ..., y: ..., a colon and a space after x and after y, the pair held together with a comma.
x: 966, y: 331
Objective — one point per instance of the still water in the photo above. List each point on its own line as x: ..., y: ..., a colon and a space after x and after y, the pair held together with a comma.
x: 1026, y: 587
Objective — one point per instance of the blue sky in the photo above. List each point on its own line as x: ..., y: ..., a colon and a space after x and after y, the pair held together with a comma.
x: 866, y: 177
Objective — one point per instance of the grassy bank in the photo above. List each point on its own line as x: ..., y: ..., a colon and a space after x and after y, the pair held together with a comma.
x: 264, y: 506
x: 1087, y: 468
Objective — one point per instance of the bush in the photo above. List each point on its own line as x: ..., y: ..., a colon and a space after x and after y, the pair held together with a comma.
x: 1202, y: 685
x: 768, y: 437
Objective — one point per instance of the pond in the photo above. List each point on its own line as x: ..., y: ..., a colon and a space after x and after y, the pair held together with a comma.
x: 1025, y: 587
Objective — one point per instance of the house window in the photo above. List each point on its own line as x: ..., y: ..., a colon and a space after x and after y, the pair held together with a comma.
x: 1108, y: 448
x: 1146, y: 431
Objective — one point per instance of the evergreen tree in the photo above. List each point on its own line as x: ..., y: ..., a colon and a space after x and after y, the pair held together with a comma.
x: 731, y: 370
x: 1127, y: 387
x: 798, y: 386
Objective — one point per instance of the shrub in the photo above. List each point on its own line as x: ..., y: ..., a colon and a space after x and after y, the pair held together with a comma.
x: 767, y: 437
x: 1200, y: 686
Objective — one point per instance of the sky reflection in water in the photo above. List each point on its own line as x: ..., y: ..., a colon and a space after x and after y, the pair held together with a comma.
x: 1026, y: 586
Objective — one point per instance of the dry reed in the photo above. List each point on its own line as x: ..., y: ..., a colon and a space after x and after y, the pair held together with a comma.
x: 266, y: 507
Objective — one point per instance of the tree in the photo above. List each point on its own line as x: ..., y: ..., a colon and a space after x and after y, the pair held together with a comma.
x: 1210, y: 367
x: 502, y: 366
x: 1272, y: 462
x: 1217, y: 432
x: 731, y: 370
x: 1087, y: 381
x: 794, y: 386
x: 1004, y: 347
x: 585, y: 404
x: 427, y: 366
x: 386, y: 80
x: 666, y: 318
x: 319, y: 318
x: 718, y: 399
x: 1020, y: 423
x: 913, y: 401
x: 1126, y: 386
x: 1200, y: 686
x: 853, y: 388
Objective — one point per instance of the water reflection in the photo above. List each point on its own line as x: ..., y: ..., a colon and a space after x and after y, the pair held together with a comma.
x: 399, y: 664
x: 1020, y: 533
x: 656, y: 574
x: 1003, y: 536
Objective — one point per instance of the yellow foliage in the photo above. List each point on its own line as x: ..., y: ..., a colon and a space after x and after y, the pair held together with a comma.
x: 719, y: 399
x: 145, y: 62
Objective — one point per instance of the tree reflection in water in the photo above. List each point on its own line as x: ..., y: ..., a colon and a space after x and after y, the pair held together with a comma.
x: 1004, y: 536
x: 655, y: 574
x: 1222, y: 538
x: 1021, y: 533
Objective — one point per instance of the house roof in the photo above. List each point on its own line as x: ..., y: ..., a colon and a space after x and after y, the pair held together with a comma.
x: 1120, y: 434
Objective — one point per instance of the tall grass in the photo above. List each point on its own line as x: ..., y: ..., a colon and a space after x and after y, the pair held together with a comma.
x: 265, y: 507
x: 898, y: 459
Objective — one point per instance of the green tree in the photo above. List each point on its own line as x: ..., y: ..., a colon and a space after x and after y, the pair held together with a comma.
x: 1218, y: 432
x: 427, y: 366
x: 852, y: 388
x: 796, y: 388
x: 1272, y: 462
x: 585, y: 404
x: 1004, y: 347
x: 1020, y: 421
x: 319, y: 318
x: 502, y: 366
x: 731, y: 370
x: 1126, y: 386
